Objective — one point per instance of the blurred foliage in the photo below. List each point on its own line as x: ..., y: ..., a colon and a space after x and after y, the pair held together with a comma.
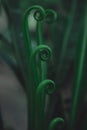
x: 53, y: 34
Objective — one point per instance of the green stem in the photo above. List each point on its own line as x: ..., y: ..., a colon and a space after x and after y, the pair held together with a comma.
x: 44, y: 53
x: 33, y: 63
x: 77, y: 98
x: 66, y: 36
x: 40, y: 41
x: 46, y: 86
x: 39, y: 33
x: 28, y: 52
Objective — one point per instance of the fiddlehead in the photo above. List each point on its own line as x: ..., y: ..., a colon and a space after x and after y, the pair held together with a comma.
x: 39, y: 12
x: 45, y: 87
x: 41, y: 53
x: 50, y: 16
x: 44, y: 53
x: 48, y: 86
x: 28, y: 50
x: 57, y: 121
x: 39, y: 15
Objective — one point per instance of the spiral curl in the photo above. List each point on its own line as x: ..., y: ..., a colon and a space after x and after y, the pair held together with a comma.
x: 47, y: 86
x: 57, y: 121
x: 50, y: 16
x: 40, y: 98
x: 39, y: 13
x: 43, y: 51
x: 35, y: 56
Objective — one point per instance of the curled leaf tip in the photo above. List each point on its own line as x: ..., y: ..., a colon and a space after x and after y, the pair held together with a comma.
x: 47, y: 85
x: 39, y: 12
x: 57, y: 121
x: 43, y: 51
x: 50, y: 16
x: 50, y: 87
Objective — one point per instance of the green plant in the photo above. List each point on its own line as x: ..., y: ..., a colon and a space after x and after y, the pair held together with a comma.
x: 30, y: 63
x: 39, y: 85
x: 34, y: 78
